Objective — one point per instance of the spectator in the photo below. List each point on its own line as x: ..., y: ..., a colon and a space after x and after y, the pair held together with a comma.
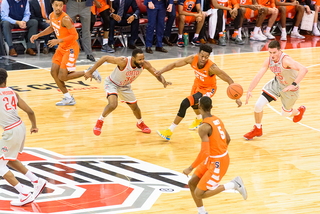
x: 289, y: 10
x: 167, y: 32
x: 120, y: 18
x: 16, y: 14
x: 83, y: 9
x: 186, y: 16
x: 312, y: 5
x: 40, y: 11
x: 102, y: 7
x: 156, y: 11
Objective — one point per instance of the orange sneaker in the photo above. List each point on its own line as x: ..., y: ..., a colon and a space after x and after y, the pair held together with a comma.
x: 297, y: 118
x: 97, y: 128
x: 255, y: 132
x: 144, y: 128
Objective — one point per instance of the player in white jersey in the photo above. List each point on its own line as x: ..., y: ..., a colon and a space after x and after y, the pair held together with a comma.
x: 288, y: 75
x: 118, y: 84
x: 12, y: 142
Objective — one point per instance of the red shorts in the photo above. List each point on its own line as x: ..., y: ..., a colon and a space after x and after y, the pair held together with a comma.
x: 251, y: 15
x: 66, y: 58
x: 205, y: 91
x: 211, y: 171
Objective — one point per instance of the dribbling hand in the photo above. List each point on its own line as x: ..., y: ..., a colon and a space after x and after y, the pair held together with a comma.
x: 87, y: 75
x: 187, y: 171
x: 33, y: 130
x: 248, y: 96
x: 165, y: 84
x: 33, y: 37
x: 239, y: 102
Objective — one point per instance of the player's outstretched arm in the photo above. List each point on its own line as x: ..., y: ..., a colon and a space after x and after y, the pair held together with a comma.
x: 288, y: 62
x: 152, y: 70
x: 45, y: 32
x: 179, y: 63
x: 24, y: 106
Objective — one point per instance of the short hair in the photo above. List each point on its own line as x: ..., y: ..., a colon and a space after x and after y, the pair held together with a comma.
x: 64, y: 1
x: 274, y: 44
x: 206, y: 103
x: 3, y: 75
x: 137, y: 51
x: 205, y: 48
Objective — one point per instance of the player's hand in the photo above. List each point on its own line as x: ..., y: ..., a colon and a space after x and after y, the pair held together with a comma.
x: 111, y: 10
x: 33, y: 38
x: 34, y: 130
x: 290, y: 88
x: 53, y: 42
x: 198, y: 19
x: 248, y: 97
x: 116, y: 17
x: 188, y: 170
x: 158, y: 73
x: 88, y: 75
x: 235, y: 13
x: 165, y: 84
x: 130, y: 19
x: 151, y: 5
x: 307, y: 9
x: 48, y: 21
x: 239, y: 102
x: 169, y: 8
x: 98, y: 4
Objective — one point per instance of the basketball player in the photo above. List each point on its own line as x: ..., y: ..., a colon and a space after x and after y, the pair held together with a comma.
x: 12, y: 142
x: 213, y: 160
x: 285, y: 85
x: 63, y: 61
x: 204, y: 85
x: 119, y: 84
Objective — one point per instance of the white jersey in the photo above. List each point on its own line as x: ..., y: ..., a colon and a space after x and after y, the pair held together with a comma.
x: 9, y: 117
x: 125, y: 76
x: 283, y: 75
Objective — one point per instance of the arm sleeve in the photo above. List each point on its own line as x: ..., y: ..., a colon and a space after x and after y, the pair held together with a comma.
x: 203, y: 154
x: 73, y: 35
x: 27, y: 13
x: 5, y: 12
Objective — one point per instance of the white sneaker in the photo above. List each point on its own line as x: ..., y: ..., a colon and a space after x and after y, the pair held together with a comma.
x: 23, y: 200
x: 239, y: 186
x: 269, y: 35
x: 261, y: 34
x: 256, y: 37
x: 95, y: 75
x: 296, y: 35
x: 66, y: 102
x: 283, y: 37
x: 38, y: 187
x: 316, y: 31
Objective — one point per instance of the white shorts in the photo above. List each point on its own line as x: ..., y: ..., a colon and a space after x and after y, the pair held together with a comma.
x: 12, y: 142
x: 124, y: 92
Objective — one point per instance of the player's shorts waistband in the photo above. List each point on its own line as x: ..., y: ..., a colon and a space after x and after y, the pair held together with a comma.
x: 13, y: 125
x: 220, y: 156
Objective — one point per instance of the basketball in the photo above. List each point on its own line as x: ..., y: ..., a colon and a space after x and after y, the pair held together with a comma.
x: 234, y: 91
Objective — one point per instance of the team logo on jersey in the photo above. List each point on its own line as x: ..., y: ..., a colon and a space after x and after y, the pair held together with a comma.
x: 91, y: 184
x: 4, y: 149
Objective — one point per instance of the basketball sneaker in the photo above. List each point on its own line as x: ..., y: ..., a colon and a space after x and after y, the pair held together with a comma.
x: 283, y: 36
x: 269, y: 35
x: 23, y: 200
x: 296, y: 35
x: 262, y: 35
x: 144, y: 127
x: 66, y: 102
x: 255, y: 132
x: 97, y: 128
x: 239, y: 186
x: 180, y: 43
x: 195, y: 41
x: 297, y: 118
x: 38, y: 187
x: 195, y: 124
x: 166, y: 134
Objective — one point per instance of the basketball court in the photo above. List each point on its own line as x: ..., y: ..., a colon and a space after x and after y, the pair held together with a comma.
x: 126, y: 171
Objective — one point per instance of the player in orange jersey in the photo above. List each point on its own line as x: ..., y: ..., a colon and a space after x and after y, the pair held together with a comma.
x: 290, y: 10
x: 204, y: 85
x: 213, y: 160
x: 63, y: 61
x: 184, y: 15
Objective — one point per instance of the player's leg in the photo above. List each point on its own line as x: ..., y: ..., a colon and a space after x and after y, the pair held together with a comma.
x: 297, y: 11
x: 315, y: 30
x: 273, y: 12
x: 288, y: 100
x: 181, y: 20
x: 196, y: 40
x: 137, y: 113
x: 283, y: 20
x: 237, y: 22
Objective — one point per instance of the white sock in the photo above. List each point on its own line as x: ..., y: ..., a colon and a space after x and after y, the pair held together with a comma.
x: 298, y: 113
x: 105, y: 41
x: 201, y: 210
x: 268, y: 29
x: 315, y: 25
x: 21, y: 189
x: 67, y: 95
x: 180, y: 36
x: 139, y: 120
x: 283, y: 30
x: 239, y: 32
x: 101, y: 117
x: 229, y: 185
x: 199, y: 116
x: 172, y: 127
x: 256, y: 30
x: 196, y: 35
x: 33, y: 178
x: 258, y: 125
x: 295, y: 29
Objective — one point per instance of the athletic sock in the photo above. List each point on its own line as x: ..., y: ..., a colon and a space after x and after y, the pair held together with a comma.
x: 101, y: 117
x: 21, y: 189
x: 33, y: 178
x: 229, y: 185
x: 172, y: 127
x: 67, y: 96
x: 258, y: 125
x: 199, y: 117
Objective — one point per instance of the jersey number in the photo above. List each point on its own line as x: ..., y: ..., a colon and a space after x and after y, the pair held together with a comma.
x: 7, y: 105
x: 222, y: 134
x: 56, y: 31
x: 189, y: 7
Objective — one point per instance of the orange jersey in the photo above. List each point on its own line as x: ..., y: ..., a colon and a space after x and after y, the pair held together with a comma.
x: 267, y: 3
x: 188, y: 5
x: 227, y: 3
x: 245, y: 2
x: 202, y: 77
x: 218, y: 138
x: 104, y: 6
x: 60, y: 31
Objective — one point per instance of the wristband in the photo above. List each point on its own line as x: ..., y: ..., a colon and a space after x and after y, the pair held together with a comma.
x: 294, y: 83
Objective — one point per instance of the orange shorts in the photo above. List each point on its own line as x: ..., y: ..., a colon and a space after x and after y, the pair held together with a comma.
x: 66, y: 58
x: 291, y: 12
x: 251, y: 15
x: 205, y: 91
x: 316, y: 2
x: 188, y: 19
x: 211, y: 171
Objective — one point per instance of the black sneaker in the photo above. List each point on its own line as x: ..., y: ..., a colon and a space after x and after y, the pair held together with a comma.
x: 195, y: 41
x: 180, y: 43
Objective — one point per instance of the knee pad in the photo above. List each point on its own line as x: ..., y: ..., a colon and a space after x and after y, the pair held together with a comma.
x: 185, y: 104
x: 262, y: 101
x: 285, y: 113
x: 195, y: 106
x: 3, y: 167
